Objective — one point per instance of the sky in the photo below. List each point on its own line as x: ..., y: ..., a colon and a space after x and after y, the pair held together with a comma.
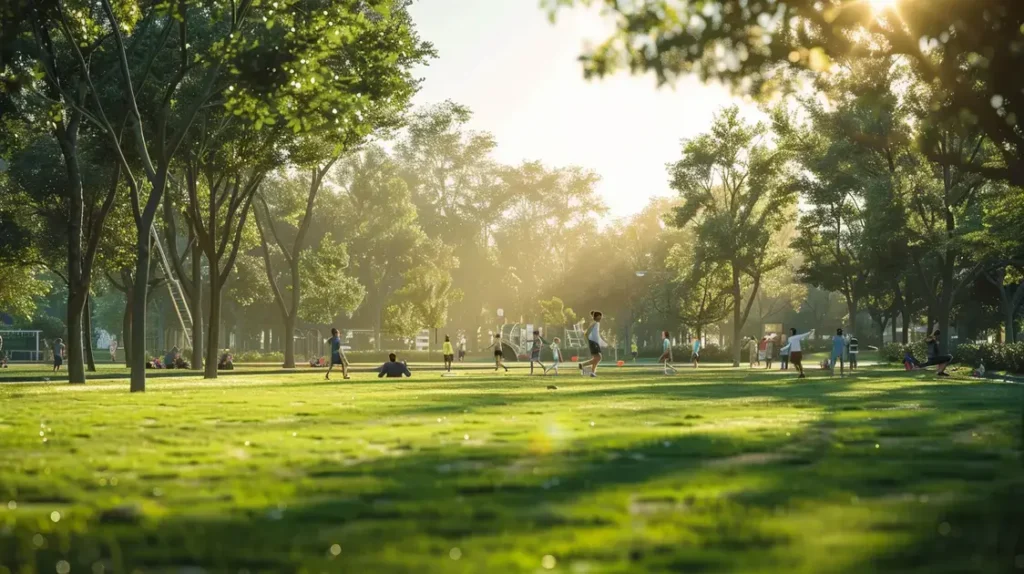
x: 520, y: 75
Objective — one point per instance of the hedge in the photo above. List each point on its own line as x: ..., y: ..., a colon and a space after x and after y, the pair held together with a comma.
x: 996, y: 356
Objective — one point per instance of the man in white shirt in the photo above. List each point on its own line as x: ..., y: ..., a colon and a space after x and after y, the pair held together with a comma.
x: 796, y: 350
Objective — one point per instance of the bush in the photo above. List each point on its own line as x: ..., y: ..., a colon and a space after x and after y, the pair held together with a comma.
x: 996, y: 356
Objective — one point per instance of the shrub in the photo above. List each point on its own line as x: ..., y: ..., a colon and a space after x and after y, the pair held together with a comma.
x: 996, y: 356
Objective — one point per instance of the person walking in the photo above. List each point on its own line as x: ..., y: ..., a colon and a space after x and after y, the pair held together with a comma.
x: 634, y: 350
x: 853, y: 350
x: 762, y: 349
x: 448, y: 352
x: 752, y: 351
x: 594, y: 342
x: 499, y: 359
x: 769, y: 351
x: 666, y: 353
x: 838, y: 348
x: 695, y: 353
x: 58, y: 354
x: 796, y: 350
x: 337, y: 356
x: 536, y: 344
x: 113, y: 350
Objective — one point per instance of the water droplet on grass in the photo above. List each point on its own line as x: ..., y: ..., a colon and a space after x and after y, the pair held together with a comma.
x: 55, y: 516
x: 455, y: 553
x: 63, y: 567
x: 548, y: 562
x: 335, y: 549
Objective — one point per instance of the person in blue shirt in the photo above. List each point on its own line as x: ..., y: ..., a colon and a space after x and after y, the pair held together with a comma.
x: 337, y: 356
x: 695, y: 355
x: 393, y: 368
x: 838, y: 350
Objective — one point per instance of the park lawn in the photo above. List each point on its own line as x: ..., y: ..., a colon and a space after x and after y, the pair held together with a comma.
x: 713, y: 470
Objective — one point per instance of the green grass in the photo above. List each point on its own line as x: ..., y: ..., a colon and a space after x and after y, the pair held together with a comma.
x: 715, y: 470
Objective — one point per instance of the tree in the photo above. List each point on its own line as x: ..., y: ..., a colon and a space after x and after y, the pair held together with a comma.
x: 378, y: 223
x: 968, y: 49
x: 329, y: 290
x: 736, y: 199
x: 554, y: 312
x: 1001, y: 247
x: 19, y: 289
x: 705, y: 296
x: 428, y: 286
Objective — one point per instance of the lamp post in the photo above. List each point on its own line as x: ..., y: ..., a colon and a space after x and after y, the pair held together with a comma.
x: 640, y: 273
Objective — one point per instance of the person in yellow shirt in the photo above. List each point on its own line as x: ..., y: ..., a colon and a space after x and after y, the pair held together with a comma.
x: 634, y: 350
x: 449, y: 353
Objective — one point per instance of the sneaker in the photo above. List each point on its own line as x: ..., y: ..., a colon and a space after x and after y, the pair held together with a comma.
x: 593, y: 375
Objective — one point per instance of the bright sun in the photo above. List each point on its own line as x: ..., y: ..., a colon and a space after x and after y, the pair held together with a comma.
x: 882, y: 5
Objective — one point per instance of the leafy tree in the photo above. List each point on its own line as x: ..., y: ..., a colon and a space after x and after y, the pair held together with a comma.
x: 329, y: 290
x: 19, y: 289
x: 1000, y: 246
x: 378, y: 222
x: 428, y: 287
x: 705, y: 296
x: 969, y: 50
x: 555, y: 313
x: 736, y: 199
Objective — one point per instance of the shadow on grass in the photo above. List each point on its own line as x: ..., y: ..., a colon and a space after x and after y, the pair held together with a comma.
x: 895, y: 481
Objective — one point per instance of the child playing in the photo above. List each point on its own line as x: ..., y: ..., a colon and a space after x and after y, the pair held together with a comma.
x: 449, y: 353
x: 784, y: 358
x: 498, y: 358
x: 537, y: 342
x: 666, y: 353
x: 838, y: 347
x: 556, y: 356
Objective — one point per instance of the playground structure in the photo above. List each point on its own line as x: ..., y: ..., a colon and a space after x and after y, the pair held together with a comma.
x: 516, y: 340
x: 16, y: 349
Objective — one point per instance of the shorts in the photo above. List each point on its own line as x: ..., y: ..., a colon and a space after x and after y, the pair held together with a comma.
x: 694, y: 356
x: 336, y: 359
x: 535, y: 356
x: 832, y: 359
x: 449, y: 358
x: 497, y: 353
x: 595, y: 349
x: 665, y: 357
x: 58, y: 361
x: 634, y: 354
x: 462, y: 353
x: 796, y: 356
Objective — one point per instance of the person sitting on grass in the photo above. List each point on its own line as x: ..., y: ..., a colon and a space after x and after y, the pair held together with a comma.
x: 171, y: 358
x: 226, y: 362
x: 393, y: 369
x: 936, y: 356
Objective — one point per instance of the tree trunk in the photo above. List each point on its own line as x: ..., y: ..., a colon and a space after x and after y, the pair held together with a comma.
x: 945, y: 303
x: 90, y: 359
x: 851, y: 308
x: 196, y: 304
x: 126, y: 329
x: 75, y: 355
x: 737, y: 328
x: 289, y: 342
x: 906, y: 326
x: 213, y: 335
x: 139, y: 298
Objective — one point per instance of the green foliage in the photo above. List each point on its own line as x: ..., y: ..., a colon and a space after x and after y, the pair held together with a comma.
x: 20, y: 287
x: 327, y: 289
x: 554, y: 313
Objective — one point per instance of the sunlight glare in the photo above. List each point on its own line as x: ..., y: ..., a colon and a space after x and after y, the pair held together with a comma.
x: 879, y: 6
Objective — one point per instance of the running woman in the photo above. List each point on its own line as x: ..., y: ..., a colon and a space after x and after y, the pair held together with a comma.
x: 695, y: 354
x: 666, y: 353
x: 838, y: 347
x: 556, y: 356
x: 537, y: 342
x: 58, y: 354
x: 337, y: 356
x: 594, y: 341
x: 795, y: 353
x: 498, y: 358
x: 449, y: 353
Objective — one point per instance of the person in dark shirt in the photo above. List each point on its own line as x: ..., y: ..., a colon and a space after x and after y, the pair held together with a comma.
x: 936, y: 356
x: 393, y: 368
x: 337, y: 355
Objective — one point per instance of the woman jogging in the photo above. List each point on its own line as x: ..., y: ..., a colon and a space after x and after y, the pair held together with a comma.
x: 666, y: 353
x: 498, y: 357
x: 795, y: 353
x: 537, y: 343
x: 449, y: 353
x: 556, y: 356
x: 337, y: 356
x: 594, y: 342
